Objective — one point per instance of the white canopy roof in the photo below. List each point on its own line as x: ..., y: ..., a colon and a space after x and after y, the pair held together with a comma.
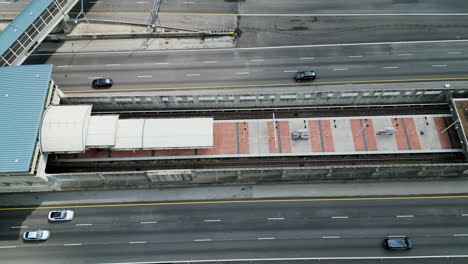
x: 64, y: 128
x: 102, y: 131
x: 178, y: 133
x: 129, y: 134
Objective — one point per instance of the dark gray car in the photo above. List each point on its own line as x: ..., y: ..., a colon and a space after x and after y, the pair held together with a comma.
x: 401, y: 243
x: 102, y: 83
x: 304, y: 76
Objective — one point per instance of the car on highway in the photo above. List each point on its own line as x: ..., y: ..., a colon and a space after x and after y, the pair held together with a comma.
x: 63, y: 215
x: 102, y: 83
x: 36, y: 235
x: 401, y: 243
x: 304, y: 76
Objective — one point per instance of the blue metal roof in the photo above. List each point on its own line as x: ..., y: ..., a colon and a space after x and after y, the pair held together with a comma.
x: 23, y: 93
x: 21, y: 23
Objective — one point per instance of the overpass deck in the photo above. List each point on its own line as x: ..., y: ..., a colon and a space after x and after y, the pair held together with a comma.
x: 360, y: 135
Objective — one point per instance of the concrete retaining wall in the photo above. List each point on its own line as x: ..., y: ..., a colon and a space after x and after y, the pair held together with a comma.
x: 142, y: 102
x: 145, y: 179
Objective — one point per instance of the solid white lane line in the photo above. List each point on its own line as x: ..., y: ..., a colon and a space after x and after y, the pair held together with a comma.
x: 258, y: 60
x: 439, y: 65
x: 397, y: 236
x: 209, y: 61
x: 7, y: 246
x: 153, y: 222
x: 326, y: 237
x: 355, y: 56
x: 256, y: 48
x: 84, y: 224
x: 145, y: 76
x: 203, y: 240
x: 405, y: 54
x: 94, y: 77
x: 454, y: 52
x: 340, y: 217
x: 109, y: 65
x: 275, y: 218
x: 266, y: 238
x: 192, y: 74
x: 290, y: 71
x: 402, y: 216
x: 307, y: 58
x: 162, y: 63
x: 68, y: 245
x: 459, y: 235
x: 242, y: 72
x: 64, y: 66
x: 464, y: 214
x: 293, y: 259
x: 138, y: 242
x: 391, y: 67
x: 341, y: 69
x: 19, y: 226
x: 212, y: 220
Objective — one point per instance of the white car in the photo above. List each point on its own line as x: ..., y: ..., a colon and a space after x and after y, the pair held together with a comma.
x: 36, y: 235
x: 63, y: 215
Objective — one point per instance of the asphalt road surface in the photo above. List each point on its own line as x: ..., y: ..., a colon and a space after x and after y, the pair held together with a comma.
x: 293, y: 22
x: 231, y: 68
x: 232, y: 230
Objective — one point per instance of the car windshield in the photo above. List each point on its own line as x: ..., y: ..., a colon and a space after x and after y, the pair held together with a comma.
x: 35, y: 234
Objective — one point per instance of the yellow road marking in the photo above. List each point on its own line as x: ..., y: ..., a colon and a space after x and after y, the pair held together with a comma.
x: 240, y: 201
x: 264, y: 85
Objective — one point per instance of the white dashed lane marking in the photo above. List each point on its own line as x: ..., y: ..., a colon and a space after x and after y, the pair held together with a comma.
x: 203, y: 240
x: 212, y: 220
x: 266, y: 238
x: 84, y: 224
x: 391, y: 67
x: 153, y: 222
x: 275, y: 218
x: 331, y: 237
x: 340, y: 217
x: 69, y: 245
x: 404, y: 216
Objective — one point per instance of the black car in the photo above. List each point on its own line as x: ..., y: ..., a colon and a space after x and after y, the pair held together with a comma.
x: 102, y: 83
x: 402, y: 243
x: 304, y: 76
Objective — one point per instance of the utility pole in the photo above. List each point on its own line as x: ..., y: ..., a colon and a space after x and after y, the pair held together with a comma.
x: 153, y: 21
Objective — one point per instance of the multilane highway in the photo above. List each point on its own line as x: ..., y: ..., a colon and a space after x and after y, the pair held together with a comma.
x: 249, y: 229
x: 259, y: 67
x: 293, y: 22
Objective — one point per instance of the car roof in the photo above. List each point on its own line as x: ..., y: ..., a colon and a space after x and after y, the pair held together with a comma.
x: 396, y: 242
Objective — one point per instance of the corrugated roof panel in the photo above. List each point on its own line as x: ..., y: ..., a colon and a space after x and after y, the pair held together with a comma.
x: 21, y: 23
x: 23, y: 92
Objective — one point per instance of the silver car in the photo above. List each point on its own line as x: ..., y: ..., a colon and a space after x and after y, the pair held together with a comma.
x: 63, y: 215
x: 36, y: 235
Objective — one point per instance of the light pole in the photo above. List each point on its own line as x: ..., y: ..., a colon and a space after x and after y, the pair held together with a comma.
x: 81, y: 12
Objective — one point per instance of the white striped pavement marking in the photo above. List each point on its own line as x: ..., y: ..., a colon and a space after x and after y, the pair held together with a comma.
x: 460, y: 235
x: 64, y: 66
x: 391, y: 67
x: 138, y: 242
x: 152, y: 222
x: 327, y: 237
x: 19, y: 226
x: 110, y: 65
x: 439, y: 65
x: 266, y: 238
x: 454, y: 52
x: 242, y: 72
x: 340, y: 217
x: 209, y: 61
x: 405, y: 54
x: 84, y: 224
x: 397, y: 236
x: 464, y: 214
x: 355, y: 56
x: 290, y: 71
x: 341, y: 69
x: 258, y: 60
x: 212, y: 220
x: 7, y: 246
x: 193, y: 74
x: 307, y: 58
x: 145, y: 76
x: 276, y: 218
x: 69, y: 245
x: 403, y: 216
x: 203, y: 240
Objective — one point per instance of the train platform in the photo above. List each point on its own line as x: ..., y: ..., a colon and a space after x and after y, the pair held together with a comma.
x: 362, y: 135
